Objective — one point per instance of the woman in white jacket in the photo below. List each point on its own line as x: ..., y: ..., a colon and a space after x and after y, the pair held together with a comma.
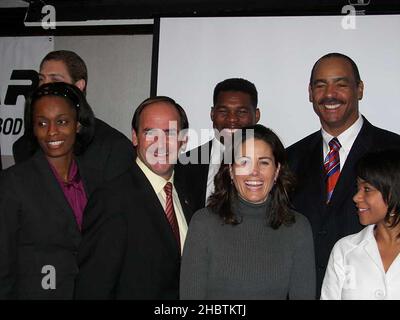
x: 366, y: 265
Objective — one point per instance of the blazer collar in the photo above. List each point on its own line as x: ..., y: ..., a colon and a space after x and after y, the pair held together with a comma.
x: 90, y: 177
x: 183, y: 198
x: 366, y: 239
x: 54, y: 193
x: 347, y: 176
x: 154, y: 209
x: 316, y: 174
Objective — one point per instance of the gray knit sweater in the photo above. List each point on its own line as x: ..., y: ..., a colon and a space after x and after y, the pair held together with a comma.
x: 249, y: 260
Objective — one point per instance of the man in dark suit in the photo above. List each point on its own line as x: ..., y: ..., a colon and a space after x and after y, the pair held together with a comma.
x: 110, y: 152
x: 134, y: 230
x: 234, y: 107
x: 335, y: 89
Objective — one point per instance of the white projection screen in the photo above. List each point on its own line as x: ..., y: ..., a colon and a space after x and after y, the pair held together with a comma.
x: 277, y: 54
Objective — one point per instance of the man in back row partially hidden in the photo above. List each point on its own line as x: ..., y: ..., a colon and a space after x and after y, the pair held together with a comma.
x: 234, y: 107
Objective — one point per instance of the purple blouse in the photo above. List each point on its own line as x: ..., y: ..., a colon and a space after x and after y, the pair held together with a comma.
x: 73, y: 191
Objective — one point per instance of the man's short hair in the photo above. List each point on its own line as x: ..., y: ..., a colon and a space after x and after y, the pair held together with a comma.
x: 184, y: 122
x: 237, y: 84
x: 356, y: 73
x: 75, y: 65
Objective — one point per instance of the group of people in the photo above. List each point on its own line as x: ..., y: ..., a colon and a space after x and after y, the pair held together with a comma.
x: 87, y: 214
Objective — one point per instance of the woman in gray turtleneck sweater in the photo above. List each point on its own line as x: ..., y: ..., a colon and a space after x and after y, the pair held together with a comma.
x: 247, y: 243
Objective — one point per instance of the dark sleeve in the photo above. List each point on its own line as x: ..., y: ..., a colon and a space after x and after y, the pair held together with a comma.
x: 102, y: 250
x: 194, y: 268
x: 9, y: 225
x: 303, y: 278
x: 120, y: 158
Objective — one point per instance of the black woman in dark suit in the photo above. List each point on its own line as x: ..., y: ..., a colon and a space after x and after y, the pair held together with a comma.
x: 42, y: 199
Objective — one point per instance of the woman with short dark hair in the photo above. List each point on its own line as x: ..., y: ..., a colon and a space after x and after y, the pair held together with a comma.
x: 247, y: 243
x: 366, y: 265
x: 42, y: 199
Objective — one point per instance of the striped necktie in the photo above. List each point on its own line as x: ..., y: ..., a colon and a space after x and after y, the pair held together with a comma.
x: 332, y: 167
x: 170, y: 212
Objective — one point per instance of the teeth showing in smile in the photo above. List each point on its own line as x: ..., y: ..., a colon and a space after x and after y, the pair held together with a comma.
x: 361, y: 210
x: 331, y: 106
x: 231, y: 130
x: 253, y: 183
x: 55, y: 143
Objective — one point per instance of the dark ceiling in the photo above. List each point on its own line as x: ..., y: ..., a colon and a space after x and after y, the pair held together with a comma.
x: 124, y: 9
x: 12, y: 19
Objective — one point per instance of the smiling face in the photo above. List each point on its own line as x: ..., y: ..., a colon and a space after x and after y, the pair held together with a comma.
x: 372, y: 209
x: 233, y: 110
x: 55, y: 126
x: 334, y: 93
x: 156, y: 141
x: 254, y: 170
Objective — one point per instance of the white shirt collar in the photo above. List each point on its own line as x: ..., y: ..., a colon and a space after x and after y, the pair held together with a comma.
x: 155, y: 180
x: 217, y: 150
x: 346, y: 139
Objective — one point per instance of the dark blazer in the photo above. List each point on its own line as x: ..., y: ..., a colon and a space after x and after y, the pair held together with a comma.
x: 110, y: 151
x: 339, y: 218
x: 38, y: 228
x: 195, y: 174
x: 128, y: 249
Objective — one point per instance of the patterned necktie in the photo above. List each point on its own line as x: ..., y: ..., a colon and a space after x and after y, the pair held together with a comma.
x: 170, y: 212
x: 332, y: 167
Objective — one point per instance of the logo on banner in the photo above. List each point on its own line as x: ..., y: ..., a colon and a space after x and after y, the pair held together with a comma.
x: 10, y: 125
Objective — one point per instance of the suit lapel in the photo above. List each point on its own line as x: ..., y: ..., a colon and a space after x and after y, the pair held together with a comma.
x: 373, y: 252
x: 315, y: 175
x: 53, y: 190
x: 91, y: 177
x: 183, y: 199
x: 196, y: 174
x: 153, y: 209
x: 348, y: 176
